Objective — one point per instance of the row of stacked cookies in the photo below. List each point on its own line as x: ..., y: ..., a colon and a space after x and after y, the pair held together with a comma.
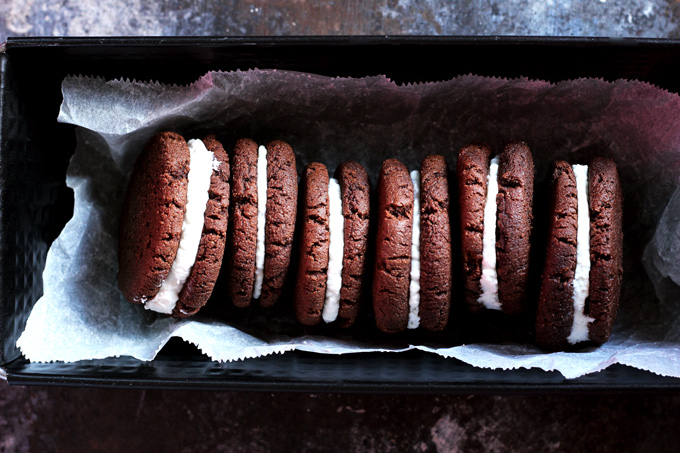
x: 164, y: 229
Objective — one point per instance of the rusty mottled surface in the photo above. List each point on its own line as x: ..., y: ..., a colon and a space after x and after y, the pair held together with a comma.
x: 63, y: 419
x: 648, y: 18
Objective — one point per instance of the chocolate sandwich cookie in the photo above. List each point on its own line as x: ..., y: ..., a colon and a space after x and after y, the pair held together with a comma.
x: 412, y: 280
x: 264, y: 204
x: 174, y: 223
x: 581, y: 282
x: 335, y: 216
x: 496, y: 197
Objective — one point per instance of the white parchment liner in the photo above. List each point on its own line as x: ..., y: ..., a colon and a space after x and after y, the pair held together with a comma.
x: 82, y: 314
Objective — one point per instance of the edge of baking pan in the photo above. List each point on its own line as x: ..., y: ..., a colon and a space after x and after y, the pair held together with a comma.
x: 411, y: 372
x: 327, y: 39
x: 11, y: 129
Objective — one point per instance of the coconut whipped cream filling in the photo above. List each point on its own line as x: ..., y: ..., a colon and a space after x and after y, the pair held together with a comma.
x: 489, y: 280
x: 336, y: 246
x: 579, y: 328
x: 201, y: 166
x: 261, y: 219
x: 414, y: 286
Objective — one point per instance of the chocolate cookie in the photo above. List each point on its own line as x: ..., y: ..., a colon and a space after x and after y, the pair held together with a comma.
x: 606, y: 247
x: 435, y: 244
x: 514, y: 222
x: 472, y: 170
x: 243, y: 242
x: 334, y: 238
x: 561, y: 320
x: 310, y: 287
x: 391, y: 278
x: 555, y: 311
x: 251, y: 277
x: 282, y: 193
x: 356, y: 206
x: 501, y: 285
x: 151, y: 225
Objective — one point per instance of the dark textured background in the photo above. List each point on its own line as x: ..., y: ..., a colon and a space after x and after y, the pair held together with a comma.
x: 63, y: 419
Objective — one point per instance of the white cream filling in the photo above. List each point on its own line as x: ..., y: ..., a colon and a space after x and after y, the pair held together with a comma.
x: 579, y: 328
x: 261, y: 219
x: 489, y: 279
x: 336, y: 246
x: 414, y: 286
x: 201, y: 165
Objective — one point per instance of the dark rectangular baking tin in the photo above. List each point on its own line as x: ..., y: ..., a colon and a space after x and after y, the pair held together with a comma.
x: 35, y: 203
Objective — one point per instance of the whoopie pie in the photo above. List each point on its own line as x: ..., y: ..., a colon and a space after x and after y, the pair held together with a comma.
x: 581, y: 281
x: 412, y: 276
x: 334, y: 238
x: 496, y: 199
x: 264, y: 203
x: 173, y: 226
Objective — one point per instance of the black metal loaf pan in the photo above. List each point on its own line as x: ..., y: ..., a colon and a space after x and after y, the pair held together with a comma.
x: 35, y: 203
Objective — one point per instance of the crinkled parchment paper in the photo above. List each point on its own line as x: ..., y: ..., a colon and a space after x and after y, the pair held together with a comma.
x: 82, y: 314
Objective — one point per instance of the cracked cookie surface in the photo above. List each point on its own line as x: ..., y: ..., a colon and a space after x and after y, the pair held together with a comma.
x: 472, y: 170
x: 243, y: 219
x: 153, y: 213
x: 391, y: 276
x: 356, y: 206
x: 310, y: 287
x: 435, y: 244
x: 555, y: 310
x: 606, y: 247
x: 514, y: 222
x: 282, y: 194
